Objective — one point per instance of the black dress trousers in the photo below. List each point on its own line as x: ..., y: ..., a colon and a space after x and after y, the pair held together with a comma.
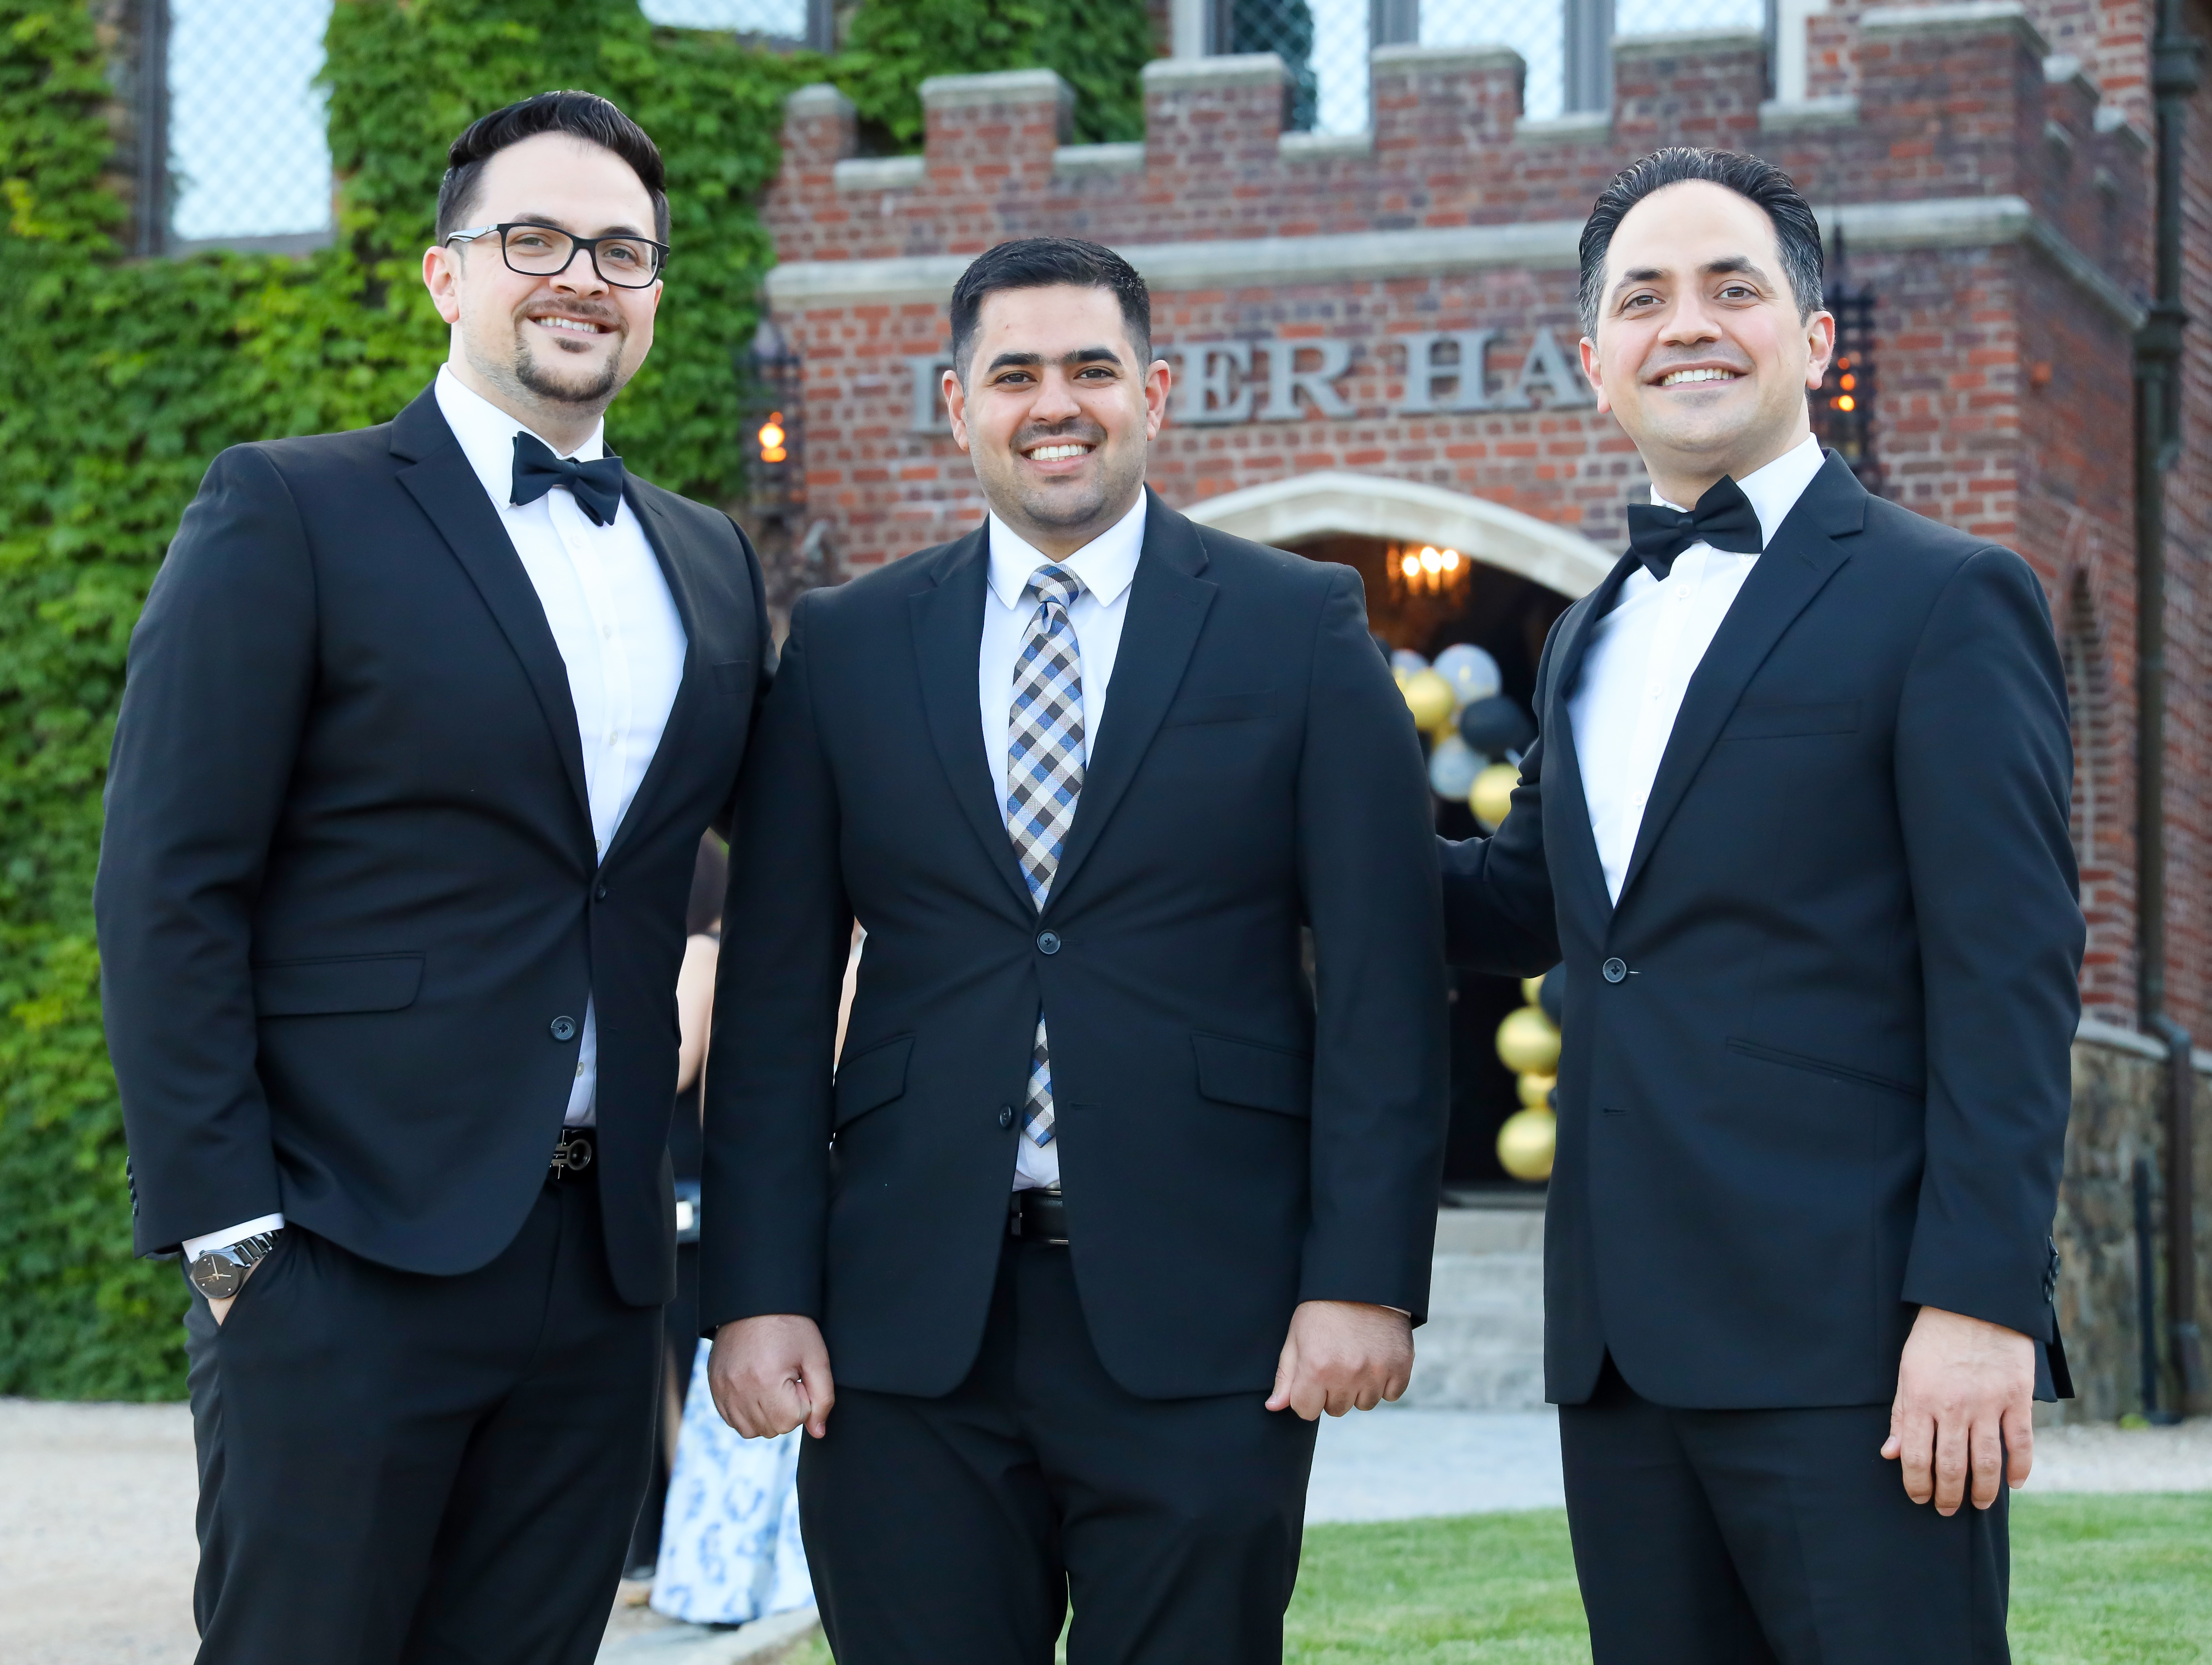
x: 960, y: 1528
x: 398, y: 1469
x: 1770, y: 1538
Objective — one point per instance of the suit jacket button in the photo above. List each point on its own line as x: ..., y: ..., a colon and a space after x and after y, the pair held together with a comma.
x: 600, y: 894
x: 1006, y: 1115
x: 562, y: 1029
x: 1615, y: 970
x: 1048, y: 942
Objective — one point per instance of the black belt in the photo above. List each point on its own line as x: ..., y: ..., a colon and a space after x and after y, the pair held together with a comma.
x: 573, y: 1156
x: 1038, y: 1217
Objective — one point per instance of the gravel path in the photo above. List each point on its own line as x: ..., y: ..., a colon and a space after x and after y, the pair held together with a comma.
x: 96, y: 1550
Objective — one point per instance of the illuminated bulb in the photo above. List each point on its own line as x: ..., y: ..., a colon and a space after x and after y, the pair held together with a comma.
x: 1451, y: 561
x: 1412, y: 566
x: 771, y: 439
x: 1850, y: 382
x: 1847, y: 402
x: 1431, y: 561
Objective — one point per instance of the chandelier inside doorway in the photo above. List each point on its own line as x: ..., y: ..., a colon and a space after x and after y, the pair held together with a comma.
x: 1425, y: 570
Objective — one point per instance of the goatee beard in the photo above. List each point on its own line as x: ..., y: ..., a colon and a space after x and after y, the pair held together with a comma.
x: 537, y: 379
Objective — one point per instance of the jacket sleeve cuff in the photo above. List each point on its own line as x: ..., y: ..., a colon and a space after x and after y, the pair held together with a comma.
x: 196, y: 1247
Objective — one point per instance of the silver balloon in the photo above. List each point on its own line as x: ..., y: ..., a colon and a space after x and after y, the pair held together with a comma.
x: 1453, y: 766
x: 1472, y: 672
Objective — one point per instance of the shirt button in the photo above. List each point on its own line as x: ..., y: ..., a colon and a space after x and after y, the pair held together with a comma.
x: 562, y: 1028
x: 1048, y: 942
x: 1615, y: 970
x: 1006, y: 1115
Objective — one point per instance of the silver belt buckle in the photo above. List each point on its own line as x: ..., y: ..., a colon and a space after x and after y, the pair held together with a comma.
x: 571, y: 1156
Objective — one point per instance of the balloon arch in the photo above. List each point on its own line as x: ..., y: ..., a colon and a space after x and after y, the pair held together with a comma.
x: 1288, y: 511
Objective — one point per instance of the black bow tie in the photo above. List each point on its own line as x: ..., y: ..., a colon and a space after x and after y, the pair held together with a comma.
x: 597, y: 487
x: 1724, y: 518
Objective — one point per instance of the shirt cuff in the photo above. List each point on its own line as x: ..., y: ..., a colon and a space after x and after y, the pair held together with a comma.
x: 196, y: 1247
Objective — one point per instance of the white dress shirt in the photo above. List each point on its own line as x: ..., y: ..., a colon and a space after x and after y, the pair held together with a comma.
x: 1106, y: 565
x: 620, y: 637
x: 1642, y: 653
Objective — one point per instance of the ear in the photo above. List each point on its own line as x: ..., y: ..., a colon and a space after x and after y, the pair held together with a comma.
x: 441, y: 276
x: 1820, y: 347
x: 956, y: 407
x: 1159, y: 381
x: 1593, y: 372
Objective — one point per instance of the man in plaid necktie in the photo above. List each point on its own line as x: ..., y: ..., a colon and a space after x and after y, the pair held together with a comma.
x: 1107, y: 1202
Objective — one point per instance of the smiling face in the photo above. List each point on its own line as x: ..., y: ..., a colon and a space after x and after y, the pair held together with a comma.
x: 552, y: 352
x: 1701, y: 353
x: 1057, y: 412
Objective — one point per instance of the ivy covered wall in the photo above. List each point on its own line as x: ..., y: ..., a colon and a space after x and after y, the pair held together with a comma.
x: 120, y: 379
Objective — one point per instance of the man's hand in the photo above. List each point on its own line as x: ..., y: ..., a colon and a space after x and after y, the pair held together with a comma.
x: 221, y: 1309
x: 1966, y: 1393
x: 771, y: 1373
x: 1342, y: 1355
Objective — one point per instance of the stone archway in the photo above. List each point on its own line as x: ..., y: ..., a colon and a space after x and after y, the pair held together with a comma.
x: 1286, y: 512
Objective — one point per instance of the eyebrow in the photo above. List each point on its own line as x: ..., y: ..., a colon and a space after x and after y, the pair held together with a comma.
x: 1731, y: 263
x: 555, y: 222
x: 1032, y: 361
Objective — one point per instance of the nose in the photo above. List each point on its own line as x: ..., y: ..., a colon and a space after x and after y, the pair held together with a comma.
x: 1690, y: 321
x: 1056, y: 400
x: 580, y: 275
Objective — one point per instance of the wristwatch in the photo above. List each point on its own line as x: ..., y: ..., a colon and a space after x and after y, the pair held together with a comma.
x: 220, y: 1273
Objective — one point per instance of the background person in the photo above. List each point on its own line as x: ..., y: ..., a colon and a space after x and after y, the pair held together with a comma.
x: 1798, y: 821
x: 1082, y: 774
x: 422, y: 727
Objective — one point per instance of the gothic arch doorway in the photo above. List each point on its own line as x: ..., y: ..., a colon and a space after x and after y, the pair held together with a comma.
x: 1510, y: 577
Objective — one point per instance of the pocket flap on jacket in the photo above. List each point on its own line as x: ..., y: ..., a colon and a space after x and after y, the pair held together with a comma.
x: 875, y: 1076
x: 1244, y: 1073
x: 1784, y: 722
x: 305, y: 988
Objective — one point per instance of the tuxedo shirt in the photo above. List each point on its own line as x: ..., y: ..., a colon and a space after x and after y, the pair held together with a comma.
x: 1106, y: 566
x: 617, y: 627
x: 1642, y: 653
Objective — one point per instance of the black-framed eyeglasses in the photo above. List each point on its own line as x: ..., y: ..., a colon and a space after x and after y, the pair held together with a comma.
x: 535, y: 251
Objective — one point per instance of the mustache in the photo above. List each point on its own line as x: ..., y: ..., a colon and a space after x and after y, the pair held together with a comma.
x: 1086, y: 432
x: 591, y: 310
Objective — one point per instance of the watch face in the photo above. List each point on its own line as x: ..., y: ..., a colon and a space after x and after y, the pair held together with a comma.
x: 217, y: 1277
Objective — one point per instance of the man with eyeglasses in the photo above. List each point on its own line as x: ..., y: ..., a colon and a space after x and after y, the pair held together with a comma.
x: 422, y: 727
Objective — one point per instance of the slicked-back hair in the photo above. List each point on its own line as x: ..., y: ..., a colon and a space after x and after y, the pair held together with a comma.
x: 1796, y: 232
x: 1038, y: 263
x: 585, y: 115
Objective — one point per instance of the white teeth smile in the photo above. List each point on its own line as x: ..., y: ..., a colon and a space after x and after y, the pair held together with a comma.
x: 1053, y: 454
x: 576, y: 324
x: 1679, y: 378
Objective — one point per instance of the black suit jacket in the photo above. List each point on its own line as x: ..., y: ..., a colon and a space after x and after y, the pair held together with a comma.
x: 347, y: 884
x: 1825, y: 1079
x: 1228, y: 1146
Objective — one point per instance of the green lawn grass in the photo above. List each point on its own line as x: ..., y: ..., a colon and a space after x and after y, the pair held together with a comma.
x: 2095, y: 1581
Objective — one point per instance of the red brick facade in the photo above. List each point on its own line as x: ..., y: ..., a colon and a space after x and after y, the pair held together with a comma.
x: 1987, y: 166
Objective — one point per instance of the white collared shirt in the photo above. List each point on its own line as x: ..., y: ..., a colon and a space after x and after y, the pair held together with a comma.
x: 1642, y: 653
x: 620, y: 637
x: 1107, y: 565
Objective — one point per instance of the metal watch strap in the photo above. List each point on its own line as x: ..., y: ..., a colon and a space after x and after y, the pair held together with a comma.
x: 244, y: 1255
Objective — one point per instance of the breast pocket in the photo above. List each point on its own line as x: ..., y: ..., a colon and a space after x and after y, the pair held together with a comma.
x: 1221, y: 708
x: 1785, y: 722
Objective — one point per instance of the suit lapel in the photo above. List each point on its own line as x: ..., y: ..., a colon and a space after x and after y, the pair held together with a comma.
x: 1562, y: 761
x: 438, y: 476
x: 947, y: 619
x: 1168, y: 604
x: 665, y: 535
x: 1795, y: 567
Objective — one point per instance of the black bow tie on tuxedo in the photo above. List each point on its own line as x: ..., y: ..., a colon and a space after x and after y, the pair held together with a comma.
x: 597, y: 487
x: 1724, y: 518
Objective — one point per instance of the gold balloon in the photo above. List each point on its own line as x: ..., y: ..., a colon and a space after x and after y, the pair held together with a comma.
x: 1402, y: 676
x: 1532, y: 990
x: 1529, y: 1042
x: 1431, y: 699
x: 1494, y: 794
x: 1535, y: 1089
x: 1527, y: 1144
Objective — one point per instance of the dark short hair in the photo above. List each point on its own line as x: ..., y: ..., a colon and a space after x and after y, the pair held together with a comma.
x: 1038, y: 263
x: 586, y: 116
x: 1796, y: 232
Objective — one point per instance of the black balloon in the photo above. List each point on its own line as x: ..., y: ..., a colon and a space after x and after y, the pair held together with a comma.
x: 1552, y: 993
x: 1496, y: 725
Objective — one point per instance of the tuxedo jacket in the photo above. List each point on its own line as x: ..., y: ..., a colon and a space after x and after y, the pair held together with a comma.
x: 1231, y: 1140
x: 349, y: 909
x: 1816, y: 1063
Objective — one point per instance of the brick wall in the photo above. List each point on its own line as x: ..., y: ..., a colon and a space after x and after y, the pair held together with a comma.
x: 2003, y: 353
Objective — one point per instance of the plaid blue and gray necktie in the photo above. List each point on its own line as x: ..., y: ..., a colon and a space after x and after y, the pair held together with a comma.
x: 1044, y: 776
